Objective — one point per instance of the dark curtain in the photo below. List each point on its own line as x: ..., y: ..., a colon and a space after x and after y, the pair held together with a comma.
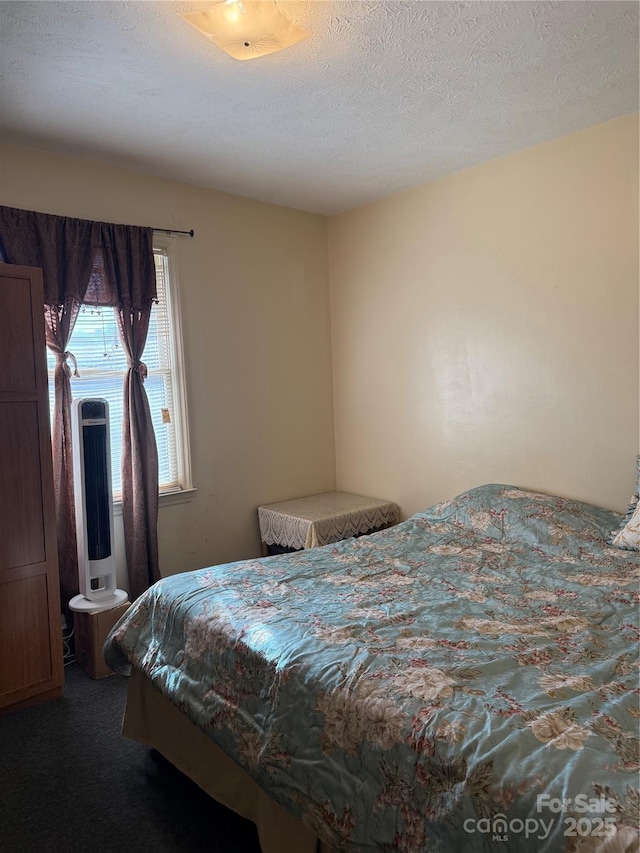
x: 139, y: 458
x: 105, y: 265
x: 59, y: 322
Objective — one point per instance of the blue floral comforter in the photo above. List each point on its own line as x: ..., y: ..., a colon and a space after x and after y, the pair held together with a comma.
x: 467, y: 680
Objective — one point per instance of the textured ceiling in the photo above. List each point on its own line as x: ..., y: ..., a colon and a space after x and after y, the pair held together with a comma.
x: 383, y: 95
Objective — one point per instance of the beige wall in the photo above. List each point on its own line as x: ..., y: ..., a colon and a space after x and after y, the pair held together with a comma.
x: 485, y: 327
x: 255, y: 313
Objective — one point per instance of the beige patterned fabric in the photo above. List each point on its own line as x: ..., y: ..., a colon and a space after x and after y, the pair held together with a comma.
x: 322, y: 519
x: 629, y: 536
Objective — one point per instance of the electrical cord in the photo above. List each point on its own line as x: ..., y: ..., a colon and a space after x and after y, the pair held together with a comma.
x: 68, y: 656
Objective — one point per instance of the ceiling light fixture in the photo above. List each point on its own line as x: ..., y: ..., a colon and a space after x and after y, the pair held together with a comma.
x: 246, y: 29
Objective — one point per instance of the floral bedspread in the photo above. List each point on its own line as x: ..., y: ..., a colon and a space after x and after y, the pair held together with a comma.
x: 467, y: 680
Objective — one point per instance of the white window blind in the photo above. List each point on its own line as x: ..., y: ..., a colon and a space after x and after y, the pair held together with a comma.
x: 102, y: 363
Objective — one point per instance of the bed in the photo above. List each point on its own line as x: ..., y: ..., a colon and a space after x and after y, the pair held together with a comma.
x: 466, y: 680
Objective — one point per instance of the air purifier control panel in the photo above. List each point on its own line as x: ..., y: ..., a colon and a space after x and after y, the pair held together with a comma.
x: 93, y: 410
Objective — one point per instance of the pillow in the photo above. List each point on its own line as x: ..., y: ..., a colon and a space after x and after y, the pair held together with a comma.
x: 635, y: 497
x: 629, y: 537
x: 500, y: 511
x: 633, y: 505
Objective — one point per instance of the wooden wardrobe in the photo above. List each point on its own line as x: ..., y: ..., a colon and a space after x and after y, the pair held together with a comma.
x: 31, y: 667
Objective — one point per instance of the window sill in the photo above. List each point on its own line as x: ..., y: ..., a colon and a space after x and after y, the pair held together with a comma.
x: 177, y: 496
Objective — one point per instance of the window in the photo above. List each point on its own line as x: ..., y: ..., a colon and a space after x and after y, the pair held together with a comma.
x: 95, y: 343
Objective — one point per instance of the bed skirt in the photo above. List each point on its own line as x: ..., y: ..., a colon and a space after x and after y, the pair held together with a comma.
x: 151, y: 719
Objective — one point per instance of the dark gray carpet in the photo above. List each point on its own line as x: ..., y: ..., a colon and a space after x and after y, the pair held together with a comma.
x: 70, y: 783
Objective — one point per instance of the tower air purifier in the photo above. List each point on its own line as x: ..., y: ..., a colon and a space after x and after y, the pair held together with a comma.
x: 94, y: 507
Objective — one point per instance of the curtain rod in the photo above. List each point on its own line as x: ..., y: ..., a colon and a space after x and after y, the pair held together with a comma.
x: 190, y: 233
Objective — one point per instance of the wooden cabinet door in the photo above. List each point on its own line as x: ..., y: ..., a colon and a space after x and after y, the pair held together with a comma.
x: 30, y: 632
